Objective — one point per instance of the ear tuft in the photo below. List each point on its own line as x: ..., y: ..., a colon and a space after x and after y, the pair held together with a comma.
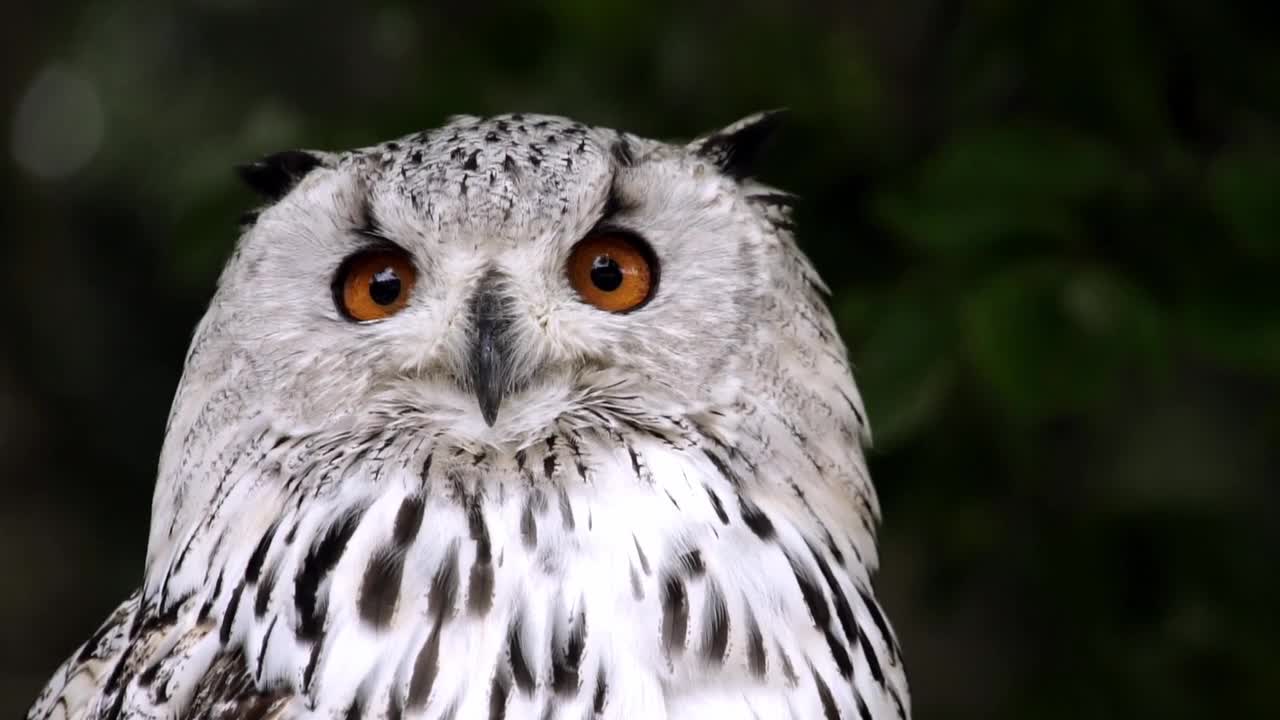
x: 735, y: 148
x: 275, y: 175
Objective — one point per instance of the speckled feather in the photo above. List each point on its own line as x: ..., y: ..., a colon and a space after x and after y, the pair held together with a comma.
x: 670, y: 518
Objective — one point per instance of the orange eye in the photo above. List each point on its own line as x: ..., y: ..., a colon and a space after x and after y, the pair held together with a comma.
x: 613, y: 271
x: 374, y: 284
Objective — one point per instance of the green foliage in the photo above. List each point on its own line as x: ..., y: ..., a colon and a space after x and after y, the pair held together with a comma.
x: 1052, y: 236
x: 1007, y: 186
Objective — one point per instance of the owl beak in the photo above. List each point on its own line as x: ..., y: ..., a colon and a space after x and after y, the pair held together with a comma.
x: 491, y: 357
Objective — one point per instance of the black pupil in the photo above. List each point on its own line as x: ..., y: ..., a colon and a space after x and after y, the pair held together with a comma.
x: 605, y: 273
x: 384, y: 288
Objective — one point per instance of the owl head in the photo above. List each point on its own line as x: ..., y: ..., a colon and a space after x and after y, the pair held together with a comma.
x: 495, y: 277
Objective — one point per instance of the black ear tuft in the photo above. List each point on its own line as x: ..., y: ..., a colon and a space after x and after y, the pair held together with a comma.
x: 275, y: 175
x: 736, y: 148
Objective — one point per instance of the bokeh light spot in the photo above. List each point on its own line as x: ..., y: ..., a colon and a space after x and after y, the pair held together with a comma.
x: 58, y: 125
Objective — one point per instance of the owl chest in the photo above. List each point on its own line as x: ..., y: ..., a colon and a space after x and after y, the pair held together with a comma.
x: 677, y: 595
x: 619, y: 584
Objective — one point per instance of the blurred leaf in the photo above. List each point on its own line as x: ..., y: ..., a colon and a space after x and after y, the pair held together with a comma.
x: 905, y: 365
x: 1240, y: 326
x: 1243, y: 188
x: 986, y: 186
x: 1192, y: 453
x: 1049, y: 338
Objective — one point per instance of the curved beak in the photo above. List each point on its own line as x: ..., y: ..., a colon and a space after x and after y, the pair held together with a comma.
x: 490, y: 361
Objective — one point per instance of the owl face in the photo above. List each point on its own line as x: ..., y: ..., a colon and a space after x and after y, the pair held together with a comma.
x: 496, y: 277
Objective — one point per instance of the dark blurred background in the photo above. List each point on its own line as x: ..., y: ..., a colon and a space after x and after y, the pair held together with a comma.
x: 1052, y: 233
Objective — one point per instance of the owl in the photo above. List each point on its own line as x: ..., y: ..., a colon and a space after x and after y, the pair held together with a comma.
x: 514, y: 418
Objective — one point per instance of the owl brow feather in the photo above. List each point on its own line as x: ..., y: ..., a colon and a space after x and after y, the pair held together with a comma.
x: 369, y: 226
x: 615, y: 204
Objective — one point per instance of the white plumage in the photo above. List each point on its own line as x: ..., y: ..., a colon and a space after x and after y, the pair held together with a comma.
x: 502, y: 500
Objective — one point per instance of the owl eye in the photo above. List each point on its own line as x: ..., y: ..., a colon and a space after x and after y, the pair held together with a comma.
x: 373, y: 284
x: 614, y: 271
